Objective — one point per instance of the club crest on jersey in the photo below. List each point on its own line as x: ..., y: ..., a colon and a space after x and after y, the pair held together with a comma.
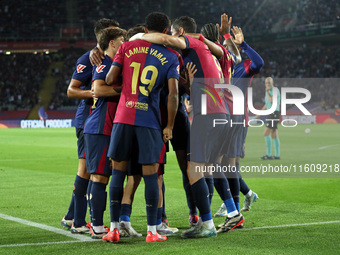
x: 100, y: 68
x: 80, y: 68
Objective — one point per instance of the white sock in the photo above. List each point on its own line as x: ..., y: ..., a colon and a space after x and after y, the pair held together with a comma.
x: 233, y: 213
x: 126, y: 223
x: 249, y: 194
x: 223, y: 206
x: 159, y: 226
x: 99, y: 229
x: 199, y: 222
x: 152, y: 229
x: 209, y: 224
x: 114, y: 224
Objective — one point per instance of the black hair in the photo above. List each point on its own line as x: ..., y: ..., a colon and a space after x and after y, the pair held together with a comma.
x: 210, y: 31
x: 157, y: 21
x: 104, y: 23
x: 108, y: 34
x: 187, y: 23
x: 135, y: 30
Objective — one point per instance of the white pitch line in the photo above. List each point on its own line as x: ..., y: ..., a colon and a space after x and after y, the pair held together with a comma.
x: 44, y: 227
x: 294, y: 225
x: 328, y: 146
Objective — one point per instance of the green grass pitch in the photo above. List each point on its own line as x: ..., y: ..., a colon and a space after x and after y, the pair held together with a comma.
x: 298, y: 213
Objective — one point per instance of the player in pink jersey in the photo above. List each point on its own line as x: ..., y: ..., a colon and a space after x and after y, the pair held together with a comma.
x: 145, y: 67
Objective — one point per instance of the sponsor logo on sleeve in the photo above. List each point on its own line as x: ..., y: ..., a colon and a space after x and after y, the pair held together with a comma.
x: 100, y: 68
x: 80, y: 68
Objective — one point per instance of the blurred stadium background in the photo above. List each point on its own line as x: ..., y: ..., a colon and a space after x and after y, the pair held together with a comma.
x: 41, y: 40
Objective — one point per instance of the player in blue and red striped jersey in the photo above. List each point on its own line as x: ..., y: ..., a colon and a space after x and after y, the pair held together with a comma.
x: 227, y: 62
x: 98, y: 127
x: 145, y: 67
x: 242, y: 78
x: 205, y: 142
x: 80, y: 88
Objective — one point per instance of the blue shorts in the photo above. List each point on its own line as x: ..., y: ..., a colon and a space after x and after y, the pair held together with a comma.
x: 133, y: 167
x: 241, y: 140
x: 80, y: 143
x: 149, y: 141
x: 96, y: 147
x: 180, y: 132
x: 233, y: 133
x: 206, y: 140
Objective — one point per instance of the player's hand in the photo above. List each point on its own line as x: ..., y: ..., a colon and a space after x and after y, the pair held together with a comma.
x: 188, y: 108
x: 167, y: 134
x: 225, y: 24
x: 191, y: 70
x: 238, y: 35
x: 92, y: 92
x: 96, y: 57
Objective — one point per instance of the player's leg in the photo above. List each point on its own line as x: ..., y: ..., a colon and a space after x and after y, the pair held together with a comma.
x: 152, y: 194
x: 205, y: 147
x: 77, y: 209
x: 98, y: 164
x: 162, y: 227
x: 183, y: 164
x: 164, y: 217
x: 200, y: 193
x: 134, y: 176
x: 250, y: 196
x: 221, y: 179
x: 98, y: 200
x: 151, y: 153
x: 126, y: 230
x: 234, y: 182
x: 228, y: 188
x: 80, y: 189
x: 116, y: 193
x: 276, y: 142
x: 234, y: 218
x: 80, y: 201
x: 210, y: 183
x: 181, y: 146
x: 268, y: 142
x: 120, y: 149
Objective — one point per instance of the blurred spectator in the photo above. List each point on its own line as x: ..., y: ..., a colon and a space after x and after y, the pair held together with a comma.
x: 21, y: 76
x: 23, y: 20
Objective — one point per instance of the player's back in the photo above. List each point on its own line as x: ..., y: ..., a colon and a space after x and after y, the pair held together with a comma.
x: 145, y: 69
x: 209, y: 73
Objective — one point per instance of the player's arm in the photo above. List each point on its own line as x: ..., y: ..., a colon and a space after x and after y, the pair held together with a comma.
x: 74, y: 90
x: 96, y: 56
x: 172, y: 108
x: 188, y: 107
x: 225, y: 31
x: 112, y: 76
x: 215, y: 49
x: 101, y: 89
x: 164, y: 39
x: 257, y: 61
